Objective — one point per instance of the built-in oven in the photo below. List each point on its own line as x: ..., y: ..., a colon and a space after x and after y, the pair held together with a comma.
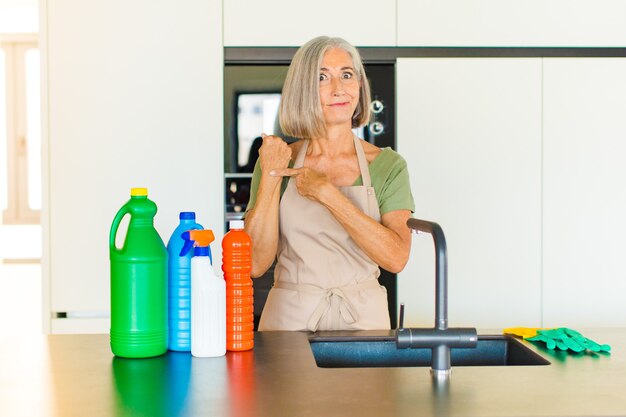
x: 252, y: 90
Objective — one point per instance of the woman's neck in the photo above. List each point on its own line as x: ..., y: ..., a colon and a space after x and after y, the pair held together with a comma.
x: 338, y: 140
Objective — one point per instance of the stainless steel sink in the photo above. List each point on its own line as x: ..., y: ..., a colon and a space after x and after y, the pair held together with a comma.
x: 381, y: 351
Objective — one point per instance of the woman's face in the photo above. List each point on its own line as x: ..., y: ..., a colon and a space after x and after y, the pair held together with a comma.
x: 339, y: 87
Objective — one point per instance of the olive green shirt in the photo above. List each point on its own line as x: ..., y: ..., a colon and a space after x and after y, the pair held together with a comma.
x: 390, y: 179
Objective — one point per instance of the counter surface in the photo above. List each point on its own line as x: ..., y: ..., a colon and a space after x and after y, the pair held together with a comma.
x: 76, y: 375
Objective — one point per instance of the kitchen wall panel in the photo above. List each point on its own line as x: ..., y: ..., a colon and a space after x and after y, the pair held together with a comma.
x: 288, y: 23
x: 539, y: 23
x: 470, y: 130
x: 584, y: 194
x: 134, y: 98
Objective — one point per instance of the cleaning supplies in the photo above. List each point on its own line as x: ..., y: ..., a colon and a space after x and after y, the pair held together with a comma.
x: 138, y: 282
x: 237, y: 264
x: 208, y: 297
x: 562, y: 338
x: 179, y: 285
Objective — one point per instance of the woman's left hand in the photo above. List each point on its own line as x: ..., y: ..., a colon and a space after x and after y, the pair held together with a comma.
x: 310, y: 183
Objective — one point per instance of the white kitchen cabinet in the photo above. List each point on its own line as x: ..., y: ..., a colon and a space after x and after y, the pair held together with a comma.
x: 530, y: 23
x: 470, y: 130
x: 133, y: 94
x: 584, y: 195
x: 289, y: 23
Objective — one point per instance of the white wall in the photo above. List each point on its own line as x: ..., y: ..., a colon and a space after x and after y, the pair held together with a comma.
x: 134, y: 98
x: 470, y: 130
x: 584, y: 271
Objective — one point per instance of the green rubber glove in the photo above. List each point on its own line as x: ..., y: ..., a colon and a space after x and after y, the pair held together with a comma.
x: 567, y: 339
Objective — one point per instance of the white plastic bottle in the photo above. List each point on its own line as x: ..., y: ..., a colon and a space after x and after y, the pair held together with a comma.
x: 208, y: 299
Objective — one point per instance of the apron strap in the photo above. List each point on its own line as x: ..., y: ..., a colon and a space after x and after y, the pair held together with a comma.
x: 299, y: 162
x: 347, y: 310
x: 363, y: 167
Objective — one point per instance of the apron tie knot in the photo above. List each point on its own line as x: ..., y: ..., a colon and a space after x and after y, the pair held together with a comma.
x: 346, y: 309
x: 333, y: 301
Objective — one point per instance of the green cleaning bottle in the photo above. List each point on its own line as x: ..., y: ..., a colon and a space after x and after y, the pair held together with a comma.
x: 138, y: 282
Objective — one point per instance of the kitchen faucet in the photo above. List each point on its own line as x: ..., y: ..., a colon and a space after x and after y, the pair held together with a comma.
x: 440, y: 338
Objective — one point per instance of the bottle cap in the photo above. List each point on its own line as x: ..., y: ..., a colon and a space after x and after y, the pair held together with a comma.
x: 187, y: 215
x: 138, y: 192
x: 236, y: 224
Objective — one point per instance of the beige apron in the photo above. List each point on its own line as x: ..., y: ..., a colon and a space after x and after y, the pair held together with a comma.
x: 323, y: 280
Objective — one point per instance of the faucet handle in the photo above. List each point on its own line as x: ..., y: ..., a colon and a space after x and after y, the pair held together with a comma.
x: 401, y: 324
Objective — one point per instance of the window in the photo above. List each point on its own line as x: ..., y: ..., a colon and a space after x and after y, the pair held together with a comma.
x: 20, y: 130
x: 256, y: 113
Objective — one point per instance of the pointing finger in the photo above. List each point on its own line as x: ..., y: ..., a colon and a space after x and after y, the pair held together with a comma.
x: 285, y: 172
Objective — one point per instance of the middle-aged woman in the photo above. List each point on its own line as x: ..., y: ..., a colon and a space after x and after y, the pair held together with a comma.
x: 331, y: 208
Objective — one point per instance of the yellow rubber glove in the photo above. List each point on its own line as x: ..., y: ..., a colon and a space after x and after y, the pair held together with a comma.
x: 523, y: 332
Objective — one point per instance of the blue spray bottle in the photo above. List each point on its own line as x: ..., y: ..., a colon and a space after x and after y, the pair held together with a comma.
x: 179, y: 285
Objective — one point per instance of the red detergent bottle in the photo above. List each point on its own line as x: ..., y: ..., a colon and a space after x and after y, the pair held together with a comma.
x: 236, y: 265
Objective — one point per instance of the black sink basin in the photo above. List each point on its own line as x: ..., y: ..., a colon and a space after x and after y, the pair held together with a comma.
x: 381, y: 351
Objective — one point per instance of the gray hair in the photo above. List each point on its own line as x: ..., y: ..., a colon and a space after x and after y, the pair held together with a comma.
x: 300, y: 110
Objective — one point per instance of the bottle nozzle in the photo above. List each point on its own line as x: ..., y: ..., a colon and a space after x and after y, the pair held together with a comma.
x: 188, y: 244
x: 199, y: 239
x: 202, y: 237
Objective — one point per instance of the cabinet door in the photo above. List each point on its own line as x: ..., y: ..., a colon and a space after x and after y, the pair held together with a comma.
x: 470, y: 130
x: 575, y: 23
x: 584, y: 192
x: 289, y: 23
x: 125, y: 108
